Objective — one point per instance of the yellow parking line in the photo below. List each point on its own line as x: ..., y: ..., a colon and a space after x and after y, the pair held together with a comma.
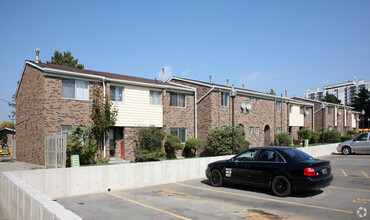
x: 151, y: 207
x: 365, y: 174
x: 361, y: 190
x: 274, y: 200
x: 344, y: 173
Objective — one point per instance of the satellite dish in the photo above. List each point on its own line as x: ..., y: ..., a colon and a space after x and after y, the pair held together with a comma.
x: 249, y: 107
x: 244, y: 105
x: 307, y: 112
x: 349, y: 111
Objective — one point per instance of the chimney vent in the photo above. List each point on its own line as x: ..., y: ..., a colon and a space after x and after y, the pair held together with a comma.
x: 227, y: 82
x: 37, y: 55
x: 243, y: 85
x: 286, y: 93
x: 210, y: 79
x: 162, y: 74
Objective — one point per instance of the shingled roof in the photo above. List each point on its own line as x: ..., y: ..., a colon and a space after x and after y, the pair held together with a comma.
x: 99, y: 73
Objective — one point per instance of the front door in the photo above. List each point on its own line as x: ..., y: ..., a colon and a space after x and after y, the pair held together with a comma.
x: 267, y: 141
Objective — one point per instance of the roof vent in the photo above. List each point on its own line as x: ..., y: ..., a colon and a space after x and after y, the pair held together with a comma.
x: 37, y: 55
x: 162, y: 74
x: 210, y: 79
x: 227, y: 82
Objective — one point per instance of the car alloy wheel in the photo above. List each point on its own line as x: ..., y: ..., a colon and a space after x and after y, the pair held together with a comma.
x: 215, y: 178
x: 346, y: 150
x: 281, y: 186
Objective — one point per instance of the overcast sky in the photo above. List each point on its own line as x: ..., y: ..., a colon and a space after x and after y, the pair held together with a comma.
x: 283, y: 45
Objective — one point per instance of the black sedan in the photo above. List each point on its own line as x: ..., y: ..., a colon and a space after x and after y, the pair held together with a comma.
x: 282, y: 169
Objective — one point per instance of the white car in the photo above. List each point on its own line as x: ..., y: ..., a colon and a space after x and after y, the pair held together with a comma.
x: 359, y: 144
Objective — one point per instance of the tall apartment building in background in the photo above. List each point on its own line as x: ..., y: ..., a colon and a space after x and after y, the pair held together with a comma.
x: 345, y: 92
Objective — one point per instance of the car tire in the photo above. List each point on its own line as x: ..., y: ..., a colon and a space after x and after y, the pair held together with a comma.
x: 281, y: 186
x: 346, y: 150
x: 215, y: 178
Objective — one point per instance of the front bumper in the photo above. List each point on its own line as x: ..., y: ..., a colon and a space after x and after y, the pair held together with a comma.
x: 308, y: 183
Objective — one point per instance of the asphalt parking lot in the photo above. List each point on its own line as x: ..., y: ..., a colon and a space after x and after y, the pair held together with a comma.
x: 348, y: 197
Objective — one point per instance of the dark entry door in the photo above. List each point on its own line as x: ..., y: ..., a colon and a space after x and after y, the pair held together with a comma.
x: 267, y: 141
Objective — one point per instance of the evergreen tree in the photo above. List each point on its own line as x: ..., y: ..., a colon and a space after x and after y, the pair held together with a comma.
x: 65, y: 59
x: 331, y: 98
x: 362, y: 102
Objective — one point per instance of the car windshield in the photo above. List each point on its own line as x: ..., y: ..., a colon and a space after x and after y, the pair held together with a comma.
x: 297, y: 154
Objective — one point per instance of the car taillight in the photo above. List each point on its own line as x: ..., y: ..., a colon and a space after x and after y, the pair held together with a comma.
x: 309, y: 172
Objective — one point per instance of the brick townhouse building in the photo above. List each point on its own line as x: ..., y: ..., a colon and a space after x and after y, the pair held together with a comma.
x: 51, y: 99
x: 267, y: 116
x: 329, y: 116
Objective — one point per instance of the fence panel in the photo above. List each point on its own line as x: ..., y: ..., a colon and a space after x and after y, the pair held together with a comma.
x: 55, y: 151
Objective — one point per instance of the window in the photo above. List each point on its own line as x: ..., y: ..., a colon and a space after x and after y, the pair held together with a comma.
x: 251, y: 129
x: 225, y: 99
x: 257, y: 130
x: 301, y: 110
x: 330, y: 110
x: 180, y: 132
x: 177, y: 99
x: 155, y: 98
x: 278, y: 130
x: 251, y: 99
x: 66, y: 129
x: 116, y: 93
x: 361, y: 137
x: 75, y: 89
x: 278, y: 106
x: 270, y: 156
x: 257, y: 100
x: 247, y: 156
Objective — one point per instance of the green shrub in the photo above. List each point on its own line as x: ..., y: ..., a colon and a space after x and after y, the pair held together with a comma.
x: 191, y: 147
x: 172, y: 144
x: 145, y: 155
x: 81, y: 142
x: 345, y: 138
x: 220, y: 141
x: 314, y: 137
x: 304, y: 134
x: 150, y: 143
x: 352, y: 132
x: 332, y: 136
x: 284, y: 139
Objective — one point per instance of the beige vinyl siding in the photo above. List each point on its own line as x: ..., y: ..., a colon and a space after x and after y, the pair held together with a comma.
x: 295, y: 116
x: 136, y: 110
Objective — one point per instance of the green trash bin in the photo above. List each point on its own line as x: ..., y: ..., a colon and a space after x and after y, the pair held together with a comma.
x: 75, y: 160
x: 305, y: 144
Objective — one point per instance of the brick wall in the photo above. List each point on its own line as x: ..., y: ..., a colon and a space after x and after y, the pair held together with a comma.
x: 130, y: 143
x: 29, y: 109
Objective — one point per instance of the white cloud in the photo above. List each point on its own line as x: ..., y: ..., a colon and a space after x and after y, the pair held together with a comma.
x: 186, y: 72
x: 250, y: 78
x: 167, y: 73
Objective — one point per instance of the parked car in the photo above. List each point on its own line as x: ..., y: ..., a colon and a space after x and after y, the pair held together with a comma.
x: 359, y: 144
x: 282, y: 169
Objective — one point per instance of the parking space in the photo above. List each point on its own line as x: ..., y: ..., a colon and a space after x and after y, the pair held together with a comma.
x: 346, y: 198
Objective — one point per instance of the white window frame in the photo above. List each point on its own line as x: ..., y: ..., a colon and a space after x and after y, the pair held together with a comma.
x: 278, y: 130
x: 257, y: 130
x: 151, y: 93
x: 251, y: 99
x: 223, y: 99
x: 278, y: 106
x: 177, y: 104
x: 77, y: 95
x: 115, y: 95
x: 66, y: 129
x: 257, y: 100
x: 251, y: 130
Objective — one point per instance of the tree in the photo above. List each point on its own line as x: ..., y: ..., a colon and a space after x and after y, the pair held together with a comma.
x: 7, y: 124
x: 272, y: 92
x: 331, y: 98
x: 65, y: 59
x: 362, y: 102
x: 103, y: 114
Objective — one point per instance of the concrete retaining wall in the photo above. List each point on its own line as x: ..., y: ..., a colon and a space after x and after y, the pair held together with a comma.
x: 319, y: 150
x: 67, y: 182
x: 22, y: 201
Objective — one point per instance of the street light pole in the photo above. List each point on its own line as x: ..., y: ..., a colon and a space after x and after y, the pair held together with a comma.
x: 233, y: 94
x: 363, y: 120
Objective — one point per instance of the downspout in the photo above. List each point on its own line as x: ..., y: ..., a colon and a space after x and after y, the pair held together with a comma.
x: 313, y: 118
x: 195, y: 115
x: 103, y: 79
